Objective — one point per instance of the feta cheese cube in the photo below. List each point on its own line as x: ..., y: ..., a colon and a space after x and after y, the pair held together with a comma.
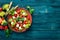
x: 17, y: 25
x: 25, y: 18
x: 12, y: 22
x: 24, y: 25
x: 23, y: 13
x: 15, y: 12
x: 20, y: 28
x: 13, y: 17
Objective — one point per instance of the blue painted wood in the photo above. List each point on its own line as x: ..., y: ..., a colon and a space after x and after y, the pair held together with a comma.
x: 46, y: 20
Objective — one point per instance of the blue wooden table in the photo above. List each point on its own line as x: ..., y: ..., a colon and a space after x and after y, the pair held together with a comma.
x: 46, y: 20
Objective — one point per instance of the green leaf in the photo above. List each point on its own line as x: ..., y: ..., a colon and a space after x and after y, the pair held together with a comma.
x: 12, y: 12
x: 31, y: 11
x: 7, y: 32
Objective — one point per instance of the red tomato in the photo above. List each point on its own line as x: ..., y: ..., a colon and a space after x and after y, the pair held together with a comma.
x: 9, y: 16
x: 28, y: 17
x: 21, y: 25
x: 18, y: 10
x: 0, y: 20
x: 16, y: 29
x: 16, y: 15
x: 6, y: 27
x: 0, y: 9
x: 25, y: 22
x: 1, y: 27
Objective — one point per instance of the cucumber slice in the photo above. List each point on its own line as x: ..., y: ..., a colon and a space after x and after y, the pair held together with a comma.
x: 2, y: 14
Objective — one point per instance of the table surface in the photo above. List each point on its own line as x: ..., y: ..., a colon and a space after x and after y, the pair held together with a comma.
x: 45, y: 24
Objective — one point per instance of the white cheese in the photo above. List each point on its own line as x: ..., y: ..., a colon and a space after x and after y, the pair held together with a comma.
x: 24, y: 25
x: 23, y: 13
x: 17, y: 25
x: 15, y: 12
x: 12, y: 22
x: 20, y: 28
x: 20, y: 21
x: 13, y: 17
x: 25, y: 19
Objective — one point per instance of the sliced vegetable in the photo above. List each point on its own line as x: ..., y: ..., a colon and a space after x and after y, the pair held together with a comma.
x: 1, y: 27
x: 17, y: 25
x: 24, y: 13
x: 1, y: 9
x: 6, y: 27
x: 18, y: 19
x: 13, y: 23
x: 20, y: 28
x: 10, y: 20
x: 4, y: 23
x: 18, y: 10
x: 12, y: 12
x: 6, y: 7
x: 0, y: 20
x: 2, y: 13
x: 26, y: 25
